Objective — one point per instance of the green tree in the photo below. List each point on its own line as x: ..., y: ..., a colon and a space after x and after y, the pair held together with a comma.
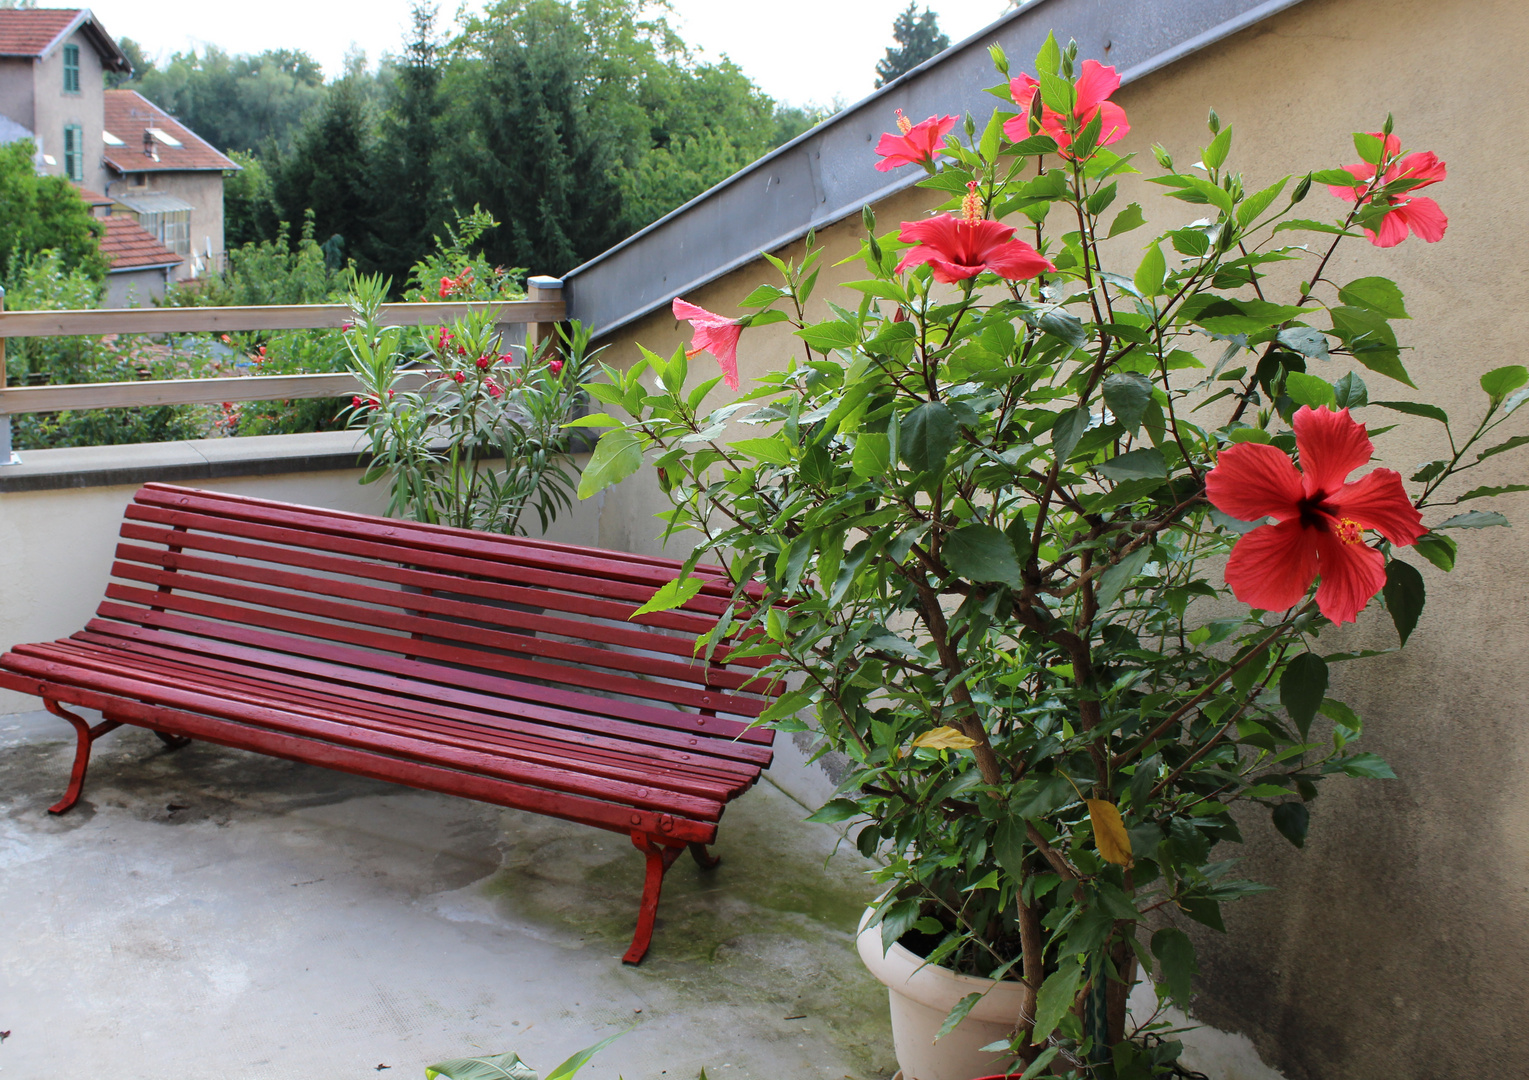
x: 918, y: 37
x: 326, y: 173
x: 39, y: 213
x: 249, y: 202
x: 141, y: 64
x: 407, y: 194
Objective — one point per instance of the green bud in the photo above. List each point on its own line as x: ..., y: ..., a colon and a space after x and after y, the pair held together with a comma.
x: 971, y: 127
x: 1000, y: 59
x: 1386, y: 127
x: 1034, y: 119
x: 1213, y: 122
x: 868, y: 217
x: 1302, y: 186
x: 1163, y: 157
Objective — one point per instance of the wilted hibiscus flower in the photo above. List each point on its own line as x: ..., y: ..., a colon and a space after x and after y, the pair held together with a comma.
x: 917, y: 144
x: 1321, y: 517
x: 961, y: 248
x: 1407, y: 211
x: 1095, y: 84
x: 714, y: 334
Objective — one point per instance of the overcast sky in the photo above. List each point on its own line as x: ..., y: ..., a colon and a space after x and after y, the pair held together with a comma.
x: 798, y: 51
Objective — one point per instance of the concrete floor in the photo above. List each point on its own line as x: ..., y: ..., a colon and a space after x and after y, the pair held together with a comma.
x: 207, y: 912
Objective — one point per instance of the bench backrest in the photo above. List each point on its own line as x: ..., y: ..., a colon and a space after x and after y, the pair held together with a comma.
x: 544, y: 622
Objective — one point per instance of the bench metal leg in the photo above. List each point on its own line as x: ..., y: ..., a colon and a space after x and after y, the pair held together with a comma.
x: 174, y: 742
x: 704, y: 858
x: 85, y: 735
x: 660, y: 858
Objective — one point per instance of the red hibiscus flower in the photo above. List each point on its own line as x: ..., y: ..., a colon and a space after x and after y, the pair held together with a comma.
x: 1421, y: 216
x: 916, y: 145
x: 1321, y: 518
x: 960, y: 248
x: 713, y: 334
x: 1095, y: 84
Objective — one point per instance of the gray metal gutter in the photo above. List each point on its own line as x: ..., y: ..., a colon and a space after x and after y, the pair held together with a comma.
x: 829, y: 173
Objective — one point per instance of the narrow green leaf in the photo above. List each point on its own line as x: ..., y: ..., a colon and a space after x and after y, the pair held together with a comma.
x: 1473, y: 519
x: 1489, y: 492
x: 1516, y: 441
x: 671, y: 595
x: 957, y: 1014
x: 498, y: 1067
x: 1415, y: 408
x: 579, y: 1060
x: 1404, y: 596
x: 831, y: 813
x: 1370, y: 148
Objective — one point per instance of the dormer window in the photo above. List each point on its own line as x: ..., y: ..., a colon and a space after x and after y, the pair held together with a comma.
x: 71, y: 69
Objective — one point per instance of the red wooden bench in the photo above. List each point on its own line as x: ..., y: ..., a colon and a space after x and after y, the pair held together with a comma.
x: 497, y: 668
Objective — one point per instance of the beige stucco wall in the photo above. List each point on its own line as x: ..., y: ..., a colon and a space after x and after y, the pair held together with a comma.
x: 17, y: 90
x: 203, y: 189
x: 1397, y: 944
x: 53, y: 109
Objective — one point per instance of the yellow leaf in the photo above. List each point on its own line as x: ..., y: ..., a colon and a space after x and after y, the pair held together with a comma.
x: 944, y: 738
x: 1110, y: 835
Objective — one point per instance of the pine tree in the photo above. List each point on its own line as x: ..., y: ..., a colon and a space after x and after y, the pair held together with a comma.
x: 327, y: 172
x: 918, y: 38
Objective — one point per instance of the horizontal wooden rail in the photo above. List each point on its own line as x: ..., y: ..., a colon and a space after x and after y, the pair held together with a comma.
x: 150, y: 392
x: 19, y: 324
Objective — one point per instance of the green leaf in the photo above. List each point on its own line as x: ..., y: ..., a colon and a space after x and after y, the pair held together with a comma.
x: 672, y: 595
x: 1350, y: 391
x: 1370, y: 148
x: 1337, y: 178
x: 1153, y: 268
x: 1176, y: 956
x: 872, y: 455
x: 1292, y: 819
x: 1378, y: 294
x: 1404, y: 596
x: 1215, y: 154
x: 1415, y: 408
x: 499, y: 1067
x: 828, y: 336
x: 1304, y: 389
x: 1129, y: 218
x: 1126, y: 395
x: 579, y: 1060
x: 1135, y: 465
x: 981, y: 553
x: 1049, y: 58
x: 1009, y: 846
x: 1115, y: 580
x: 1302, y: 688
x: 988, y: 146
x: 763, y: 296
x: 1500, y: 382
x: 1257, y: 203
x: 1305, y: 340
x: 1439, y: 550
x: 1035, y: 144
x: 1474, y: 519
x: 838, y: 810
x: 617, y: 455
x: 1489, y: 492
x: 1221, y: 315
x: 1066, y: 430
x: 1064, y: 327
x: 1372, y: 341
x: 1367, y: 766
x: 774, y: 451
x: 1055, y: 999
x: 957, y: 1014
x: 1202, y: 909
x: 1516, y: 441
x: 926, y: 437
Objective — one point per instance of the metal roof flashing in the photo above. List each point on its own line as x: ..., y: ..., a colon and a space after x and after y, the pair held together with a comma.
x: 828, y: 172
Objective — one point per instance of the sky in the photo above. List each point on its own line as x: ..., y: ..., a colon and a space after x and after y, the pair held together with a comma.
x: 798, y: 51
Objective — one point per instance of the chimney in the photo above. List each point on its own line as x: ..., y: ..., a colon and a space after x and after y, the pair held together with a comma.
x: 150, y: 150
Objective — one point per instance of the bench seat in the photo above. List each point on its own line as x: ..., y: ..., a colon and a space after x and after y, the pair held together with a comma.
x: 502, y: 669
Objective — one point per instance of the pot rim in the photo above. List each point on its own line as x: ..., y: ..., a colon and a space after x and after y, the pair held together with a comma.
x: 905, y: 973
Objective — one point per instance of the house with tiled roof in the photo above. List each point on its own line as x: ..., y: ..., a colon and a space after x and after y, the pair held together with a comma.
x: 167, y: 176
x: 51, y: 66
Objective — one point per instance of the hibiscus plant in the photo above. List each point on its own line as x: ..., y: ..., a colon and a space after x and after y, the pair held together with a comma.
x: 1038, y: 531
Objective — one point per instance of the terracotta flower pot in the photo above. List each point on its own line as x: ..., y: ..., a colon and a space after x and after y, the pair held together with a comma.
x: 922, y: 995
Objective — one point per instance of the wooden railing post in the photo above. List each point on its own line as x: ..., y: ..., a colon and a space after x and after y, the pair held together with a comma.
x: 7, y: 456
x: 542, y: 288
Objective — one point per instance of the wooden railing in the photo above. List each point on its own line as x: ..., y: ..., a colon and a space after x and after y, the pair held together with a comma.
x: 539, y: 313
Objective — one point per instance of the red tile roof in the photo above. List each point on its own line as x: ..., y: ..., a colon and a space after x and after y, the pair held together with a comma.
x: 33, y: 32
x: 129, y: 114
x: 127, y: 245
x: 94, y: 198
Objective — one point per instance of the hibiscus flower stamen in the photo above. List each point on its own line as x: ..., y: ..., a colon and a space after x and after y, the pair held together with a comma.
x: 1349, y: 531
x: 904, y: 125
x: 971, y: 204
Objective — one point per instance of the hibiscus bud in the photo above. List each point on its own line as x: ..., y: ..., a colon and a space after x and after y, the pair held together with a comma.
x: 899, y: 315
x: 868, y: 218
x: 1000, y: 58
x: 1213, y: 122
x: 1033, y: 120
x: 904, y: 125
x: 971, y: 127
x: 1385, y: 129
x: 1302, y: 186
x: 1164, y: 158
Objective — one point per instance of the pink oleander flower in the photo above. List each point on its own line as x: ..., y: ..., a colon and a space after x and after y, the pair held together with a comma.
x: 506, y: 358
x: 484, y: 362
x: 961, y: 248
x: 1321, y: 517
x: 916, y: 145
x: 714, y: 334
x: 493, y: 388
x: 458, y: 377
x: 555, y: 366
x: 1095, y: 84
x: 1416, y: 213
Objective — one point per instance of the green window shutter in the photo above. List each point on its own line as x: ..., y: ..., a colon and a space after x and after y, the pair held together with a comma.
x: 74, y: 152
x: 71, y: 69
